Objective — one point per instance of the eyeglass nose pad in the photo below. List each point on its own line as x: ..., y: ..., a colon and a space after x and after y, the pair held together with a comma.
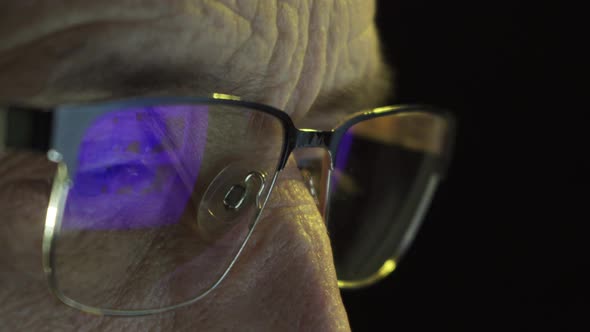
x: 315, y: 165
x: 236, y: 193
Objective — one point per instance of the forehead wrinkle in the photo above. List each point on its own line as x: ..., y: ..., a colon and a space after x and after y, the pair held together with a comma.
x: 151, y: 65
x: 113, y: 62
x: 14, y: 31
x: 333, y: 105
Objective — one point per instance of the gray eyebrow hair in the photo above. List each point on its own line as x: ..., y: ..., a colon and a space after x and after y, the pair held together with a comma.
x: 329, y: 107
x: 115, y: 77
x: 121, y: 78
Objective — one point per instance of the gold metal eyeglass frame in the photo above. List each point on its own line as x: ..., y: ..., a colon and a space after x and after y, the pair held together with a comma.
x: 294, y: 138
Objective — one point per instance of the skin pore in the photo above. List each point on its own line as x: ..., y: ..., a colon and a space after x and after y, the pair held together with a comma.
x: 317, y: 60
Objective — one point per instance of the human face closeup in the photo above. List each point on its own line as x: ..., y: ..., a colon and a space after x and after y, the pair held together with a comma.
x: 316, y: 60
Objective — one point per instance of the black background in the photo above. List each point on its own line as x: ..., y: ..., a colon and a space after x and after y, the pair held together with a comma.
x: 504, y: 245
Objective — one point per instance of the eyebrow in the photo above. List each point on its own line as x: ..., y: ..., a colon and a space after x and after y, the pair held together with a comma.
x: 151, y: 79
x: 330, y: 106
x: 123, y: 81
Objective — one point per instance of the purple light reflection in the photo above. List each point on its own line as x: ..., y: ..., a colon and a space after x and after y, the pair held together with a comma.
x: 342, y: 155
x: 137, y: 168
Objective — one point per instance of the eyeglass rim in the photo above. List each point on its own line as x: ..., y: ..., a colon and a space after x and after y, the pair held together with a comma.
x: 293, y: 135
x: 52, y: 222
x: 292, y: 140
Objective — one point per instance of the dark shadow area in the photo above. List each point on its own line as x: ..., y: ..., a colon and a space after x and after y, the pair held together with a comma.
x: 503, y: 246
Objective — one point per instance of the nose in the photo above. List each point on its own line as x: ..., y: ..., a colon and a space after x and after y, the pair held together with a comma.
x: 285, y: 278
x: 287, y: 267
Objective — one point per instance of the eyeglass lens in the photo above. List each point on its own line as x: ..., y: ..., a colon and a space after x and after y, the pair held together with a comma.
x: 385, y: 168
x: 152, y: 218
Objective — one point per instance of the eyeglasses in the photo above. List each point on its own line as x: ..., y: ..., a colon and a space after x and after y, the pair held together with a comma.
x: 154, y: 199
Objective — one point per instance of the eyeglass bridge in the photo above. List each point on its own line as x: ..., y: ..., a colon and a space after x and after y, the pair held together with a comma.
x: 309, y: 138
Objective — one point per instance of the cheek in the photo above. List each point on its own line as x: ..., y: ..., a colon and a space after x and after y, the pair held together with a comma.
x: 22, y: 210
x: 25, y: 184
x: 26, y: 304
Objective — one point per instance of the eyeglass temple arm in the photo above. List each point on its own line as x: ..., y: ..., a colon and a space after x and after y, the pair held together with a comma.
x: 25, y: 128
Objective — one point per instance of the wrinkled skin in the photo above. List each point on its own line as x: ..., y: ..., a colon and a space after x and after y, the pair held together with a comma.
x: 288, y: 54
